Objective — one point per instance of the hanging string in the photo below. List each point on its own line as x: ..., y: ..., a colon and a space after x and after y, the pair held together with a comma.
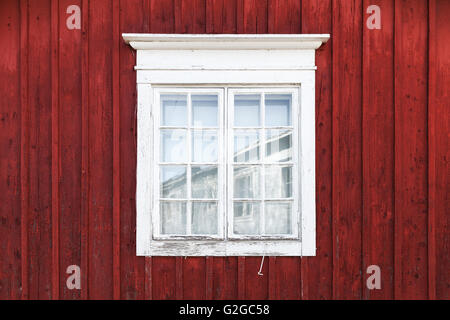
x: 260, y: 268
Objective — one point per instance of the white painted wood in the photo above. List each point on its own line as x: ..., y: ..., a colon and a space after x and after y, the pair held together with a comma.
x: 307, y: 167
x: 225, y: 59
x: 144, y: 176
x: 225, y: 248
x: 224, y: 41
x: 222, y: 61
x: 222, y: 77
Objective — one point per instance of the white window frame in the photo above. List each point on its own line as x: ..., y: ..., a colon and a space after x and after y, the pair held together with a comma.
x: 247, y: 61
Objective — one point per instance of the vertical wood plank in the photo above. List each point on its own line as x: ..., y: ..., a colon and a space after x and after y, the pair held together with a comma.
x: 225, y: 278
x: 209, y: 278
x: 179, y: 278
x: 274, y: 292
x: 284, y: 16
x: 252, y: 16
x: 256, y: 286
x: 70, y: 139
x: 162, y: 17
x: 85, y: 150
x: 55, y: 154
x: 347, y: 202
x: 378, y: 149
x: 411, y: 271
x: 241, y: 289
x: 190, y: 16
x: 135, y: 272
x: 317, y: 271
x: 100, y: 122
x: 25, y: 147
x: 438, y: 151
x: 284, y: 278
x: 115, y: 66
x: 40, y: 104
x: 148, y: 279
x: 221, y: 16
x: 194, y: 278
x: 10, y: 151
x: 163, y: 278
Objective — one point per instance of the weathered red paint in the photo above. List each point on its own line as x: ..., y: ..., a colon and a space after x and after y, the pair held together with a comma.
x: 68, y: 151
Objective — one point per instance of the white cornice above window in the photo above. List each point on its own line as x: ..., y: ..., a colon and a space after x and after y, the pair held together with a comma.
x: 149, y: 41
x: 224, y: 52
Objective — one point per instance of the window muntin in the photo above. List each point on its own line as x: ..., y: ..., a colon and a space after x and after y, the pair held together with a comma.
x: 188, y: 132
x: 262, y: 169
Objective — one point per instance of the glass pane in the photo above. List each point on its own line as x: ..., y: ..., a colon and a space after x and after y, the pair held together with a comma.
x: 204, y: 182
x: 246, y: 218
x: 204, y: 218
x: 173, y: 182
x: 278, y: 182
x: 173, y: 146
x: 278, y: 145
x: 204, y: 110
x: 174, y: 110
x: 246, y: 146
x: 278, y: 110
x: 247, y: 110
x: 173, y: 217
x: 246, y: 182
x: 204, y: 146
x: 278, y: 217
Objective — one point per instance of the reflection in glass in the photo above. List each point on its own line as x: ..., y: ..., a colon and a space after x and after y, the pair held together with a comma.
x: 278, y: 182
x: 204, y: 182
x: 246, y: 217
x: 246, y: 182
x: 278, y: 110
x: 278, y: 217
x: 173, y: 110
x: 278, y: 145
x: 204, y: 146
x: 173, y: 182
x: 247, y: 110
x: 173, y: 146
x: 173, y: 217
x: 204, y: 218
x: 204, y: 110
x: 246, y: 146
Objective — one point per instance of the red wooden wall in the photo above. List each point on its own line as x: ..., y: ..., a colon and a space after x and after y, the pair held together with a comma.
x: 68, y: 151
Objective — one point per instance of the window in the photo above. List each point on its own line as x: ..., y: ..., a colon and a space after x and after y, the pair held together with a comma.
x: 190, y: 190
x: 261, y: 165
x: 225, y: 144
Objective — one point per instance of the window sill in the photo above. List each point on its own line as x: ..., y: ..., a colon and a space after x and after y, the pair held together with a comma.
x: 226, y: 248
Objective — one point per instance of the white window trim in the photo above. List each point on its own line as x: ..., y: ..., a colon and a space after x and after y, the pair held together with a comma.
x: 225, y: 61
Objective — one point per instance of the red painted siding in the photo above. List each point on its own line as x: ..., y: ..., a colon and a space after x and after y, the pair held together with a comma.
x: 68, y: 151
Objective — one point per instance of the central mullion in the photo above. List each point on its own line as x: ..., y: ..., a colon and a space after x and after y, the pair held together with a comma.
x: 224, y: 162
x: 262, y: 160
x: 189, y: 166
